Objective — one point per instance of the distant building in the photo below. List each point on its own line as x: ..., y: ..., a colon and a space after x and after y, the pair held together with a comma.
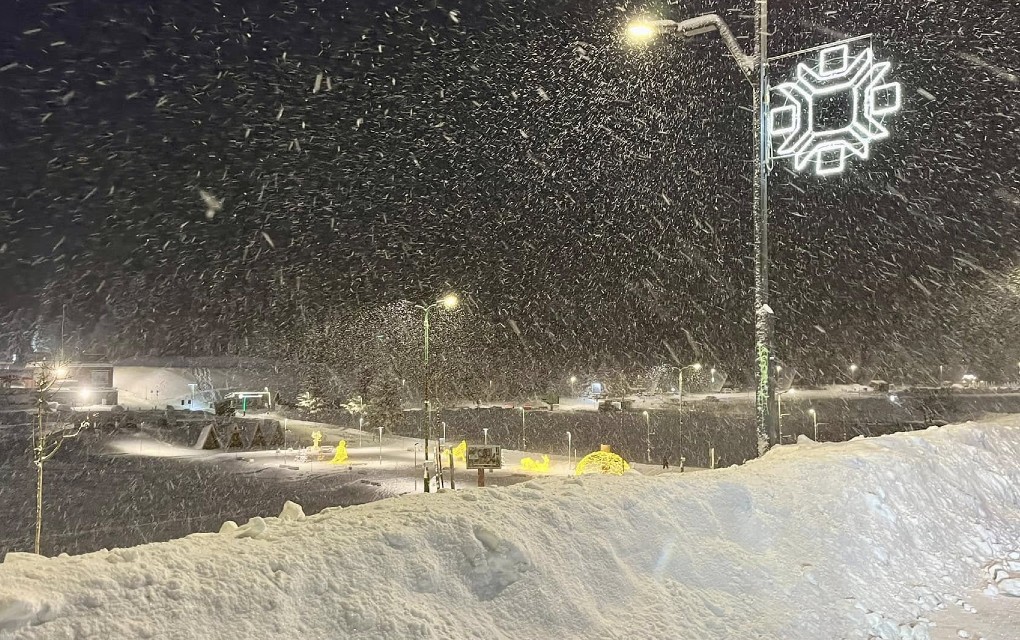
x: 87, y: 381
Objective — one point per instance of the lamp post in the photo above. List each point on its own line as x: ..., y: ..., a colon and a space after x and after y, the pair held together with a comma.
x: 192, y: 385
x: 648, y: 438
x: 524, y: 436
x: 853, y: 373
x: 449, y: 301
x: 814, y: 421
x: 754, y: 67
x: 380, y: 445
x: 779, y: 413
x: 680, y: 388
x: 485, y: 435
x: 570, y: 460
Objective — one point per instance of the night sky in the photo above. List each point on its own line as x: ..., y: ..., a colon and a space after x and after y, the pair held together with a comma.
x: 182, y: 175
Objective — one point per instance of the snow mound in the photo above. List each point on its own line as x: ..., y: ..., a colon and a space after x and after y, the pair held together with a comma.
x: 1005, y: 576
x: 292, y: 511
x: 863, y: 540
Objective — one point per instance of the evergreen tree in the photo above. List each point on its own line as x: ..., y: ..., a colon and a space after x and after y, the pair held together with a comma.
x: 383, y: 409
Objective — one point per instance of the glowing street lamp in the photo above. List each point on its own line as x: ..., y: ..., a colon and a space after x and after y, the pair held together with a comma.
x: 814, y: 421
x: 640, y: 31
x: 449, y: 301
x: 796, y: 124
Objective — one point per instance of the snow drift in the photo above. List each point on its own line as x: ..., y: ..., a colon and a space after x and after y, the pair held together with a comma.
x: 815, y: 541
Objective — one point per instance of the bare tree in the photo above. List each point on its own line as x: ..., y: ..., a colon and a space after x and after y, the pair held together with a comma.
x: 48, y: 439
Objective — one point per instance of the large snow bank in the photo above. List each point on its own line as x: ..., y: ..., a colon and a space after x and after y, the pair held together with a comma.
x: 854, y: 540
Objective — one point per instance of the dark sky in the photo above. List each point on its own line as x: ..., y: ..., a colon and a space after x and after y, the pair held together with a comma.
x: 593, y: 196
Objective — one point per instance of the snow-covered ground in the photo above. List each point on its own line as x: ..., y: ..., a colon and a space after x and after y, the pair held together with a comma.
x: 894, y: 537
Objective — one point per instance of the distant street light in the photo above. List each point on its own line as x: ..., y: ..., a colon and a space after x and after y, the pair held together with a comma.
x: 712, y: 371
x: 814, y: 421
x: 415, y: 471
x: 449, y: 301
x: 853, y: 372
x: 648, y: 438
x: 485, y: 435
x: 524, y: 436
x: 570, y: 461
x: 779, y: 414
x: 680, y: 389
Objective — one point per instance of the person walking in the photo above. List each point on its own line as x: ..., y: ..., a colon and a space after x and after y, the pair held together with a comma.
x: 665, y: 462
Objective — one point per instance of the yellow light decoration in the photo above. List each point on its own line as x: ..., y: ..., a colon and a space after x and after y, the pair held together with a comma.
x: 341, y: 453
x: 602, y: 462
x: 460, y: 451
x: 316, y: 439
x: 535, y: 466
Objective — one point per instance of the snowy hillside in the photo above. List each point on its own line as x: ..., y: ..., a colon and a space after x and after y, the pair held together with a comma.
x: 855, y: 540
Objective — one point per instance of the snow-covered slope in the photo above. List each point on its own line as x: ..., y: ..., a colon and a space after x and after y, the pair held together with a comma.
x: 854, y: 540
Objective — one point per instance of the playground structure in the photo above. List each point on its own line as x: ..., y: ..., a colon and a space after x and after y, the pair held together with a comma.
x: 602, y: 461
x: 240, y: 436
x: 530, y: 465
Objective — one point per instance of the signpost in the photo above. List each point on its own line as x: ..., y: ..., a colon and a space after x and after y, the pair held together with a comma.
x: 484, y: 457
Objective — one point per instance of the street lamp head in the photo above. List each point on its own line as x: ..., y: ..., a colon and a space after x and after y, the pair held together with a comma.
x: 450, y: 301
x: 640, y: 31
x: 696, y: 366
x: 853, y: 368
x: 644, y: 413
x: 811, y: 412
x: 573, y: 379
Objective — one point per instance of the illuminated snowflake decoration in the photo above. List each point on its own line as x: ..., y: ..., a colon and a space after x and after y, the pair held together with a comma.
x: 857, y: 84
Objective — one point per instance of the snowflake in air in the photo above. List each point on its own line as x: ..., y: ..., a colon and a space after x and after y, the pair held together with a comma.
x: 833, y: 110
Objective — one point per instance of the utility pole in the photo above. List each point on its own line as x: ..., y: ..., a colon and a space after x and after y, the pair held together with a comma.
x: 765, y: 393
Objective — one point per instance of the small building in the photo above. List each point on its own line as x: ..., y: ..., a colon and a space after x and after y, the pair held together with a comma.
x: 249, y: 400
x: 86, y: 381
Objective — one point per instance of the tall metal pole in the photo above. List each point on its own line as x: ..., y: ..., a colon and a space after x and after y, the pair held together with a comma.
x: 428, y: 403
x: 63, y: 310
x: 524, y: 437
x: 680, y: 420
x: 765, y: 395
x: 648, y: 439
